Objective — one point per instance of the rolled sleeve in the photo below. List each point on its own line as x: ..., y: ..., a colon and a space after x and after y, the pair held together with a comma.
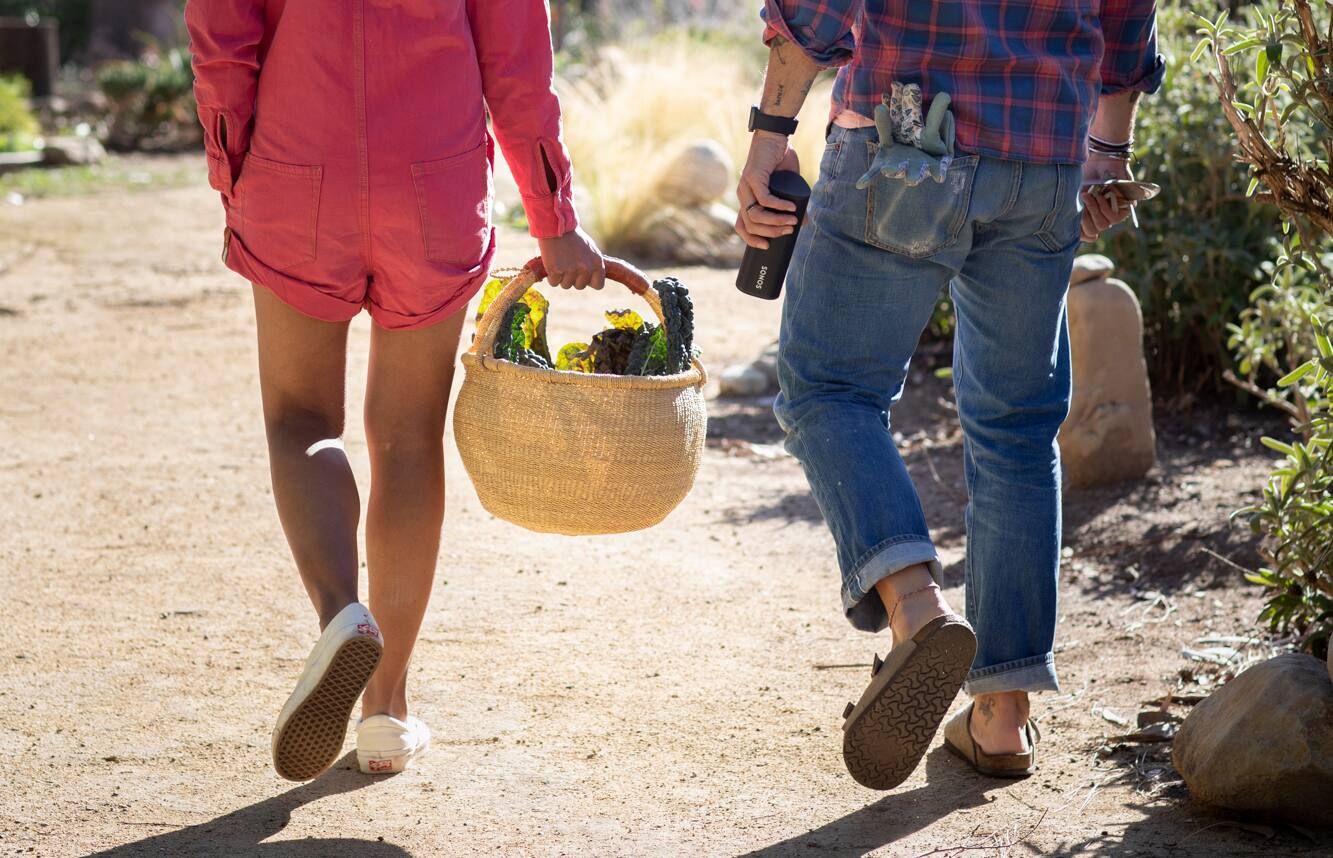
x: 1131, y: 61
x: 224, y: 47
x: 822, y: 29
x: 513, y: 43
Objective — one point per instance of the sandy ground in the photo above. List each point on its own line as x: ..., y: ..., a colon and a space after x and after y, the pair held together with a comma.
x: 671, y: 692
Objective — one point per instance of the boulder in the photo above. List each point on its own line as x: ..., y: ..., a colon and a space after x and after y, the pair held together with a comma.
x: 1091, y: 266
x: 742, y: 380
x: 73, y: 151
x: 1264, y: 742
x: 690, y: 236
x: 697, y: 175
x: 758, y: 378
x: 1108, y: 435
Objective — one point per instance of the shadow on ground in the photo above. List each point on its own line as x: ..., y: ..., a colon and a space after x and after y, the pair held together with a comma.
x: 243, y: 831
x: 950, y: 787
x: 1169, y: 825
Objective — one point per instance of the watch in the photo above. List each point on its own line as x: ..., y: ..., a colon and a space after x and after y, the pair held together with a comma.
x: 760, y: 121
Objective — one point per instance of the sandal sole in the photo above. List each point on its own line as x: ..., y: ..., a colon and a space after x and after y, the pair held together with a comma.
x: 886, y: 742
x: 313, y: 736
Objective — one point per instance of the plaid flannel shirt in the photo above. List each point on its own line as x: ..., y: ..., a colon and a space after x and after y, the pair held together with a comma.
x: 1024, y: 75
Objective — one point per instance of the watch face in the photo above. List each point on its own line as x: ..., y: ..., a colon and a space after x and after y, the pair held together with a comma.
x: 754, y: 111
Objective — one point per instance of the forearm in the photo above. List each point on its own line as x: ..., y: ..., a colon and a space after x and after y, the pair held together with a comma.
x: 224, y: 44
x: 788, y: 79
x: 513, y: 44
x: 1114, y: 121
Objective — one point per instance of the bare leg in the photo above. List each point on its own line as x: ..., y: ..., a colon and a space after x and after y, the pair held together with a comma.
x: 302, y: 362
x: 407, y: 397
x: 912, y: 599
x: 997, y: 719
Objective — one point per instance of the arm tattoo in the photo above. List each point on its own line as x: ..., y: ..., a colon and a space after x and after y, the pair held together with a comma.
x: 777, y: 43
x: 777, y: 99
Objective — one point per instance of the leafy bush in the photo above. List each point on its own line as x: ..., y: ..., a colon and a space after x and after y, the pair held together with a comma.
x: 151, y: 100
x: 18, y: 124
x: 1201, y: 246
x: 1272, y: 77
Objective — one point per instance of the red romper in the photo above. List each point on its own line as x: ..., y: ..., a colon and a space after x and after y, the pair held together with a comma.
x: 349, y: 141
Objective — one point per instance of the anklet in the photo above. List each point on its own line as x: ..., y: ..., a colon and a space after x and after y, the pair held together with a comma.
x: 906, y: 596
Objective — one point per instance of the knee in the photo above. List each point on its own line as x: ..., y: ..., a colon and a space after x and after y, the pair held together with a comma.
x: 397, y: 437
x: 1015, y: 439
x: 302, y: 424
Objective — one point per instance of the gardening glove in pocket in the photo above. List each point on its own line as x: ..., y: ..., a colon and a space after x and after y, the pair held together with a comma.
x: 911, y: 148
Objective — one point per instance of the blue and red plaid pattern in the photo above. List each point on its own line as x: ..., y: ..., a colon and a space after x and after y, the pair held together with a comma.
x: 1024, y: 75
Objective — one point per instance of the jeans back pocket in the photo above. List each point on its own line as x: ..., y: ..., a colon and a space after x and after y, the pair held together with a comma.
x: 454, y: 198
x: 923, y: 219
x: 279, y: 211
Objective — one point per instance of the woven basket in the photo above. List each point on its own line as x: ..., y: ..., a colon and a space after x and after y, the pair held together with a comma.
x: 576, y: 453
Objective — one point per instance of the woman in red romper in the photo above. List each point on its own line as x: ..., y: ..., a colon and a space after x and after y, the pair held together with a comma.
x: 349, y: 140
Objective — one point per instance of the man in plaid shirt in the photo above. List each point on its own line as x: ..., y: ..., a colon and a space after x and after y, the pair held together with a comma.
x: 1031, y: 103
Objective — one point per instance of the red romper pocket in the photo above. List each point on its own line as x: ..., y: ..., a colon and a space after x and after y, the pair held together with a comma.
x: 454, y: 196
x: 279, y: 211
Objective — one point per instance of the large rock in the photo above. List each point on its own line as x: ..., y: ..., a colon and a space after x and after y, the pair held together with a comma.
x: 1108, y: 435
x: 1264, y: 741
x: 1091, y: 266
x: 690, y: 236
x: 696, y: 176
x: 73, y: 151
x: 752, y: 379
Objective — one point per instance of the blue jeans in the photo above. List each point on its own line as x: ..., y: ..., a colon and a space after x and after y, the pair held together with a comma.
x: 865, y: 278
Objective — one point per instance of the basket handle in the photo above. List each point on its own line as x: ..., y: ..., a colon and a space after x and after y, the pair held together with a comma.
x: 488, y: 327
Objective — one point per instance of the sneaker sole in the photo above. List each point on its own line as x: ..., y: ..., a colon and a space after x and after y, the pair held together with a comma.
x: 313, y: 736
x: 886, y: 742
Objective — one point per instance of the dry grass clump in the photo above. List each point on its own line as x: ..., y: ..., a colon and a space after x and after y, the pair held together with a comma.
x: 639, y: 104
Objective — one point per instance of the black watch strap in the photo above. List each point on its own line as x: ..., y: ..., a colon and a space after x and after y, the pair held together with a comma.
x: 760, y: 121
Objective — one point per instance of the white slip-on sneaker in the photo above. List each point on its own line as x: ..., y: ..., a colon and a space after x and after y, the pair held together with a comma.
x: 312, y: 726
x: 385, y: 745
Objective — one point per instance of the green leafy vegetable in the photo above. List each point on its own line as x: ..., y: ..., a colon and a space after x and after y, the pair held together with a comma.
x: 611, y: 350
x: 678, y: 318
x: 625, y: 320
x: 630, y: 346
x: 488, y: 294
x: 574, y: 357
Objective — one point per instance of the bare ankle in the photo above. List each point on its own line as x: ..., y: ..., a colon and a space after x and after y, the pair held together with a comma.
x: 1003, y: 709
x: 912, y: 599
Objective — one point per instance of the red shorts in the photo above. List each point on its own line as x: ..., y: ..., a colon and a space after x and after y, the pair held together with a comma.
x: 412, y: 242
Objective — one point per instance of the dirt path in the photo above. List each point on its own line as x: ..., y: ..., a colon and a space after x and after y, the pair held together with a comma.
x: 674, y: 692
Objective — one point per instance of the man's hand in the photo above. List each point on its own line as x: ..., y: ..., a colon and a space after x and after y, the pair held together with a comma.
x: 573, y: 261
x: 1103, y: 208
x: 756, y: 224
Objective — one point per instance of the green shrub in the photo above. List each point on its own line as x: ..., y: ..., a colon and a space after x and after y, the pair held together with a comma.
x: 1272, y: 76
x: 1201, y: 245
x: 151, y: 100
x: 18, y: 125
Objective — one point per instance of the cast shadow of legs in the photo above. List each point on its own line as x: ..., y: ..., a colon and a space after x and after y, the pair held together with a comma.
x: 242, y: 831
x: 950, y: 786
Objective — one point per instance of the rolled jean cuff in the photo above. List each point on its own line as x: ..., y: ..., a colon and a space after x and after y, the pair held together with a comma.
x: 864, y: 609
x: 1027, y: 674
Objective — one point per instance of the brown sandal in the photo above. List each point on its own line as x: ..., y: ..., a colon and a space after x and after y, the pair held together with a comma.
x: 887, y: 732
x: 958, y: 738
